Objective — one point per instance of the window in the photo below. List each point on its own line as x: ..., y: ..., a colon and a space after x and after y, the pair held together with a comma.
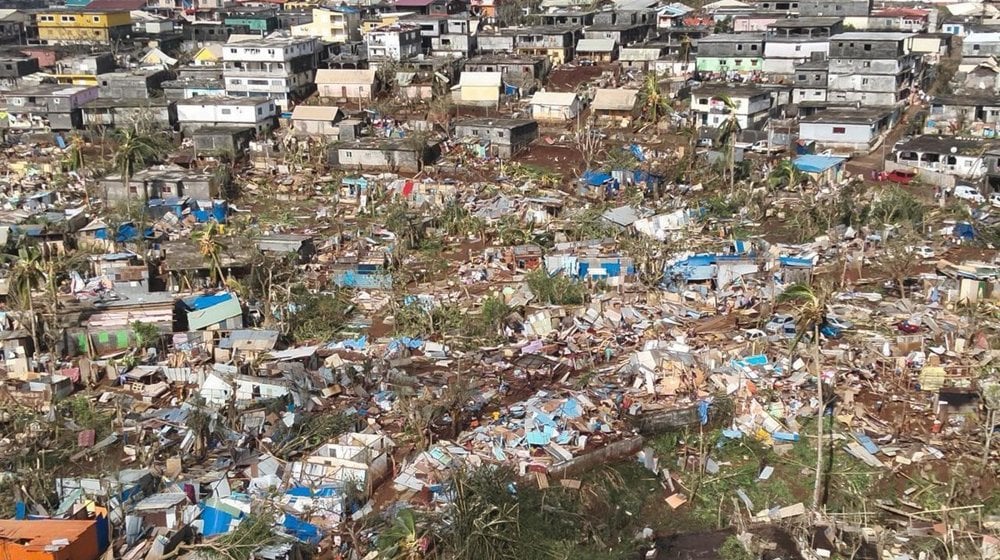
x: 97, y: 19
x: 798, y: 48
x: 703, y: 101
x: 9, y: 66
x: 753, y: 62
x: 975, y: 47
x: 236, y: 82
x: 817, y: 77
x: 226, y: 111
x: 837, y: 8
x: 867, y: 64
x: 839, y: 130
x: 260, y: 111
x: 864, y: 81
x: 753, y: 47
x: 802, y: 77
x: 67, y: 19
x: 738, y: 61
x: 348, y: 154
x: 817, y: 93
x: 500, y: 134
x: 739, y: 47
x: 133, y: 190
x: 868, y: 46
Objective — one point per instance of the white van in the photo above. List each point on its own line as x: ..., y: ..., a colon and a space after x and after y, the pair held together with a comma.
x: 966, y: 192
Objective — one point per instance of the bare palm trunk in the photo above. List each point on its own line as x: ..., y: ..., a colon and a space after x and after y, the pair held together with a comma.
x: 817, y: 483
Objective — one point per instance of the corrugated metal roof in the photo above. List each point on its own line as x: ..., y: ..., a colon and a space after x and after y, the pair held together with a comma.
x: 595, y: 45
x: 615, y: 99
x: 315, y: 113
x: 639, y: 54
x: 338, y: 76
x: 557, y: 98
x: 484, y: 79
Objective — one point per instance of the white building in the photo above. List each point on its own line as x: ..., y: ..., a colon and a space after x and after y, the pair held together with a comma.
x: 750, y: 105
x: 355, y: 458
x: 278, y: 68
x: 199, y: 112
x: 339, y: 24
x: 393, y: 42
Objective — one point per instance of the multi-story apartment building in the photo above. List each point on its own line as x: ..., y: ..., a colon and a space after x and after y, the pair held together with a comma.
x: 199, y: 112
x: 795, y: 40
x: 750, y: 105
x: 854, y: 12
x: 393, y: 42
x: 455, y: 39
x: 873, y: 69
x: 86, y: 27
x: 557, y: 42
x: 731, y: 52
x: 810, y: 81
x: 282, y: 69
x: 248, y: 21
x: 339, y: 24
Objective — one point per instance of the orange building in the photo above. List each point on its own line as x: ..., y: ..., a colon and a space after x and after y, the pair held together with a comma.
x: 48, y: 539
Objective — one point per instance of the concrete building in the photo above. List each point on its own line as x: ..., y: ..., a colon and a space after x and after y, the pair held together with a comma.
x: 951, y: 156
x: 455, y: 40
x: 597, y: 50
x: 249, y: 21
x: 340, y: 24
x: 393, y: 42
x: 557, y: 43
x: 387, y: 154
x: 118, y: 112
x: 555, y: 107
x: 873, y: 69
x: 47, y: 107
x: 501, y: 137
x: 282, y: 69
x: 622, y: 34
x: 222, y: 140
x: 723, y: 53
x: 162, y: 181
x: 979, y: 47
x: 854, y: 12
x: 809, y: 81
x: 751, y: 106
x: 350, y: 85
x: 854, y: 131
x: 197, y: 112
x: 82, y: 27
x: 187, y: 88
x: 13, y: 69
x: 511, y: 68
x: 796, y: 40
x: 479, y: 88
x: 974, y: 114
x: 315, y: 120
x: 135, y: 84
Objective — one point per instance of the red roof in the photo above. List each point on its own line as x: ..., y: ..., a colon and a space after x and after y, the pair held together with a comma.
x: 901, y: 12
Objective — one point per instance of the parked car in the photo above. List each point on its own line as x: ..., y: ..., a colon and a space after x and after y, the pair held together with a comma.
x: 908, y: 327
x: 970, y: 193
x: 897, y: 176
x: 839, y: 322
x: 924, y: 252
x: 779, y: 323
x: 753, y: 334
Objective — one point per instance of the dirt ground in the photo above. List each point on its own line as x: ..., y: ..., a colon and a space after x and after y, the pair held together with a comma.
x: 569, y: 77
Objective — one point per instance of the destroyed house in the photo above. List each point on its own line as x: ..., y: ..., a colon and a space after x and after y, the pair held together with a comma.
x: 717, y: 269
x: 221, y: 311
x: 163, y: 182
x: 365, y: 274
x: 37, y: 391
x: 107, y: 330
x: 303, y: 246
x: 355, y: 458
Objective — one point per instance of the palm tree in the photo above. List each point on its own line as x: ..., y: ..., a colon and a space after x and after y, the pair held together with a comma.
x: 211, y: 250
x: 786, y: 175
x: 135, y: 150
x: 810, y: 311
x: 685, y: 51
x: 26, y: 275
x: 728, y: 131
x: 655, y: 104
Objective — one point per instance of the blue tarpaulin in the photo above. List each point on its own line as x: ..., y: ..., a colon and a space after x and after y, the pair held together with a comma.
x: 816, y: 164
x: 964, y: 230
x: 204, y: 302
x: 596, y: 178
x: 637, y: 152
x: 703, y: 412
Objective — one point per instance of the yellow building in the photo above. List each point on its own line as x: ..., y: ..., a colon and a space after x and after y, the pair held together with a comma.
x: 61, y: 27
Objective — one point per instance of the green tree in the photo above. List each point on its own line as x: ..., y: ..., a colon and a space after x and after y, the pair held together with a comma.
x: 729, y: 130
x: 27, y: 274
x: 210, y: 248
x: 136, y: 149
x: 403, y: 540
x: 810, y: 312
x: 786, y: 175
x: 654, y: 103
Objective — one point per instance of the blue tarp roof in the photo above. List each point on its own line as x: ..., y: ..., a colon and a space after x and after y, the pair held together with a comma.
x: 816, y: 164
x: 596, y: 178
x: 204, y: 302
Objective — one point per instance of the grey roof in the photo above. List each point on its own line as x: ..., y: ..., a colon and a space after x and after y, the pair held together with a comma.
x: 806, y: 22
x: 615, y: 99
x: 732, y: 38
x: 595, y: 45
x: 872, y: 36
x: 848, y: 116
x: 640, y: 53
x: 160, y: 501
